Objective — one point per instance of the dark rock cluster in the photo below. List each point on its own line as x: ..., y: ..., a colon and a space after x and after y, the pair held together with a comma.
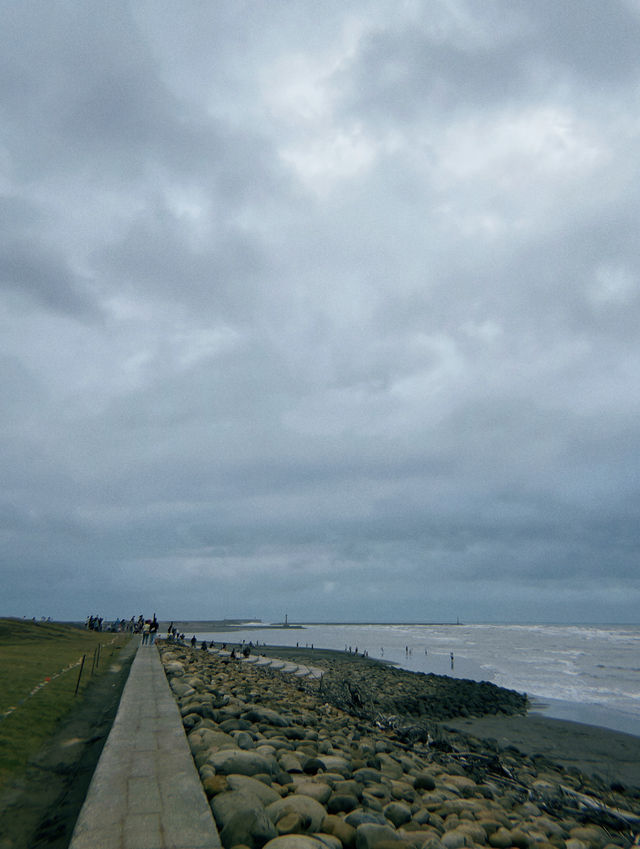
x: 285, y: 768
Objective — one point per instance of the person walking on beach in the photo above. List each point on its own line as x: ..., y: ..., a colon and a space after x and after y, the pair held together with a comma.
x: 153, y: 629
x: 451, y: 656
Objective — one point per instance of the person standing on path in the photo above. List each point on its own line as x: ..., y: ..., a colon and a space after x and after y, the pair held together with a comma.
x: 146, y: 631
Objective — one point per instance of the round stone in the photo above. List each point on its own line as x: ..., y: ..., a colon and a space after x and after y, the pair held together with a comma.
x: 252, y: 828
x: 500, y: 839
x: 318, y: 790
x: 295, y: 841
x: 341, y: 803
x: 290, y: 823
x: 228, y: 761
x: 335, y: 825
x: 398, y: 814
x: 453, y: 840
x: 424, y: 781
x: 311, y: 812
x: 251, y: 786
x: 335, y: 763
x: 371, y: 836
x: 214, y: 784
x: 228, y: 804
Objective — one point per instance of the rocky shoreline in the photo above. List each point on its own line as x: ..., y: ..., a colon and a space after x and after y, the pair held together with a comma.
x: 361, y: 760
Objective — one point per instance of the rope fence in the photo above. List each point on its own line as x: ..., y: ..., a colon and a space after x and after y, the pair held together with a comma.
x: 59, y: 674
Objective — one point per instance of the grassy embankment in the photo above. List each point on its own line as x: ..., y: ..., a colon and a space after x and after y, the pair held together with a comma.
x: 39, y: 673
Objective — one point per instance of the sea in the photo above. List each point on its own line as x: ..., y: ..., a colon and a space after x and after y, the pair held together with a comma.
x: 583, y: 673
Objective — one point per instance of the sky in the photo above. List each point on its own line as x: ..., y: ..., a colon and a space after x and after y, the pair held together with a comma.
x: 320, y: 309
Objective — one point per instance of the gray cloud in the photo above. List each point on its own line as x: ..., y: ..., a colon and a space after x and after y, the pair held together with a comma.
x: 333, y: 313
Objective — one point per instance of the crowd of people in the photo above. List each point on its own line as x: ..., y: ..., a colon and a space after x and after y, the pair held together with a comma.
x: 147, y: 627
x: 173, y: 635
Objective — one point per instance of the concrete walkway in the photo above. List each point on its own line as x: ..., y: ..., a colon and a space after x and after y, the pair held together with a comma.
x: 145, y: 792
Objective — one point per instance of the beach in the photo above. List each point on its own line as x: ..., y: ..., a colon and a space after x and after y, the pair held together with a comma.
x: 374, y: 748
x: 368, y: 715
x: 591, y: 749
x: 584, y: 673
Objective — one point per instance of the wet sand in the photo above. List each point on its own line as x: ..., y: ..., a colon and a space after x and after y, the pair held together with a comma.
x: 611, y: 755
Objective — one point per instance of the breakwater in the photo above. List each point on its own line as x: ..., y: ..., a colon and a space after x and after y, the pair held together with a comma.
x: 361, y: 760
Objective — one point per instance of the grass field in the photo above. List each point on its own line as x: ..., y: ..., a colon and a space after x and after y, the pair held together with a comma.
x: 39, y: 670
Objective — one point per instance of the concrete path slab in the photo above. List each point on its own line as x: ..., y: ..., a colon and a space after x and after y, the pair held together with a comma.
x: 286, y: 666
x: 145, y: 792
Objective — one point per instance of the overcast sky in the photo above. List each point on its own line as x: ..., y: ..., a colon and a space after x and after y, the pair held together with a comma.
x: 329, y: 309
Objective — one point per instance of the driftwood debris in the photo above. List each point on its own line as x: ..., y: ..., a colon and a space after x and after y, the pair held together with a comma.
x: 560, y: 798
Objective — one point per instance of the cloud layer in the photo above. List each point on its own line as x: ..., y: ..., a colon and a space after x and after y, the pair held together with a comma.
x: 327, y: 311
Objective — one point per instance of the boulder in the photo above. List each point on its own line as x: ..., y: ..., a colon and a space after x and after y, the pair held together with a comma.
x: 266, y: 715
x: 290, y: 762
x: 214, y: 740
x: 335, y: 763
x: 345, y: 833
x: 372, y: 836
x: 295, y: 841
x: 397, y: 813
x: 402, y: 791
x: 341, y: 803
x: 358, y: 818
x: 462, y: 783
x: 367, y: 775
x: 290, y: 823
x: 243, y: 740
x: 311, y: 812
x: 229, y: 761
x: 233, y: 723
x: 424, y: 781
x: 228, y: 804
x: 253, y: 787
x: 389, y: 766
x: 329, y: 841
x: 453, y: 839
x: 318, y: 790
x: 180, y: 687
x: 521, y: 840
x: 592, y: 835
x: 474, y: 831
x: 252, y: 828
x: 350, y: 786
x: 214, y: 784
x: 501, y: 838
x: 373, y: 803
